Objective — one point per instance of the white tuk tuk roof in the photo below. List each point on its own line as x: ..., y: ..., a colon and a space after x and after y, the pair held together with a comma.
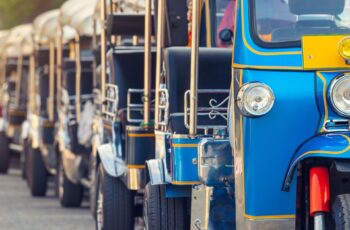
x: 83, y: 20
x: 45, y: 26
x: 20, y: 41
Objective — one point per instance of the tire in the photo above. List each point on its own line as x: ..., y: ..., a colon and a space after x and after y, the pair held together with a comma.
x: 24, y: 159
x: 4, y: 153
x: 70, y: 194
x: 341, y: 212
x: 115, y: 204
x: 164, y: 213
x: 37, y: 173
x: 95, y: 180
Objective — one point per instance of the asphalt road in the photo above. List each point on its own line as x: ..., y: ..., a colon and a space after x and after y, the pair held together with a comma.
x: 19, y: 211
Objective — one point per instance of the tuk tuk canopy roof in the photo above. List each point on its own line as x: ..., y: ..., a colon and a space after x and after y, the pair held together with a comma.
x: 83, y: 20
x: 3, y: 38
x: 19, y: 41
x: 45, y: 26
x: 78, y: 14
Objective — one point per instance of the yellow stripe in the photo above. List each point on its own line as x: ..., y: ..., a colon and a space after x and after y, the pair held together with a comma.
x: 269, y: 217
x: 259, y: 52
x: 184, y: 145
x: 141, y: 135
x: 136, y: 166
x: 236, y: 65
x: 185, y: 182
x: 325, y: 104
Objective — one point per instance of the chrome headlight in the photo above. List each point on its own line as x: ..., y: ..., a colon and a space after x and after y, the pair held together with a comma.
x: 340, y: 95
x: 255, y: 99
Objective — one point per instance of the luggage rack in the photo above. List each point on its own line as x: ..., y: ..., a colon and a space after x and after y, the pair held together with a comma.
x: 134, y: 106
x: 216, y: 108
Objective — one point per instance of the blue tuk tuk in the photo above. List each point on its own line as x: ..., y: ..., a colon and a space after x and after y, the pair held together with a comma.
x: 191, y: 177
x: 289, y: 114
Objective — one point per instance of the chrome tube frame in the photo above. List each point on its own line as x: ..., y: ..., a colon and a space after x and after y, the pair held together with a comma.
x: 159, y: 61
x: 135, y: 107
x: 148, y: 64
x: 194, y: 68
x: 163, y: 108
x: 213, y: 110
x: 111, y: 102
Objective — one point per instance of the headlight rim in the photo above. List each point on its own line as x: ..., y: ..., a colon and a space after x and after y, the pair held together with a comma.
x: 331, y: 98
x: 241, y: 95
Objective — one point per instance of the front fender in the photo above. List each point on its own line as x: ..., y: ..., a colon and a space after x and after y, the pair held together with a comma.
x: 330, y: 145
x: 113, y: 165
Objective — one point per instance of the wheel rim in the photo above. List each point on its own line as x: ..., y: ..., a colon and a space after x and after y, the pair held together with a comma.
x: 99, y: 210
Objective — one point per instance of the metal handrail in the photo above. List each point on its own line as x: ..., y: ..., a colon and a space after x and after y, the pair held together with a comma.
x: 163, y: 108
x: 137, y: 107
x: 213, y: 110
x: 110, y: 102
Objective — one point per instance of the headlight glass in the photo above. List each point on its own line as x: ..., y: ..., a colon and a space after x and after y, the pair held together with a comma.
x: 340, y: 95
x: 255, y: 99
x: 344, y: 48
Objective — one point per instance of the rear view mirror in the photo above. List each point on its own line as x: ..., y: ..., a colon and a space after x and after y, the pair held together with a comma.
x: 226, y: 36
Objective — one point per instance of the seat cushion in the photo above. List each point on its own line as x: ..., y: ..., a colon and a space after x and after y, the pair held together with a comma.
x: 214, y: 73
x: 127, y: 71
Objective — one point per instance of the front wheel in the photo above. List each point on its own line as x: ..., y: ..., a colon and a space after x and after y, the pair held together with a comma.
x: 4, y: 153
x: 115, y: 203
x: 37, y: 173
x: 164, y: 213
x: 70, y: 194
x: 341, y: 212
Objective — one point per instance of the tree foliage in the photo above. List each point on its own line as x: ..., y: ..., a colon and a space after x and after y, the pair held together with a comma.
x: 16, y: 12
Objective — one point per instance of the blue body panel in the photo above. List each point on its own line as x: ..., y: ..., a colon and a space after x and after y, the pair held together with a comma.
x: 330, y: 145
x: 184, y: 169
x: 270, y: 141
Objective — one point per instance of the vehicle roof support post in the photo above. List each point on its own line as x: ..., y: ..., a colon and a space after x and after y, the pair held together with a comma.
x: 160, y: 47
x: 59, y: 62
x: 19, y: 75
x: 51, y: 81
x: 148, y: 63
x: 103, y: 53
x: 77, y: 77
x: 194, y: 68
x: 31, y: 83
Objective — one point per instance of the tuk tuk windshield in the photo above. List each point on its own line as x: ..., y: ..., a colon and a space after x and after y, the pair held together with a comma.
x: 282, y: 23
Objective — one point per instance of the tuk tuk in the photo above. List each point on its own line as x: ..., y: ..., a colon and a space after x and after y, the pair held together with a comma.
x: 18, y: 47
x: 291, y: 168
x: 127, y: 74
x: 75, y: 107
x: 191, y: 183
x: 38, y: 134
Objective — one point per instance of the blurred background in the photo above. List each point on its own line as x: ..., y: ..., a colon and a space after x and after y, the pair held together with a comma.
x: 15, y: 12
